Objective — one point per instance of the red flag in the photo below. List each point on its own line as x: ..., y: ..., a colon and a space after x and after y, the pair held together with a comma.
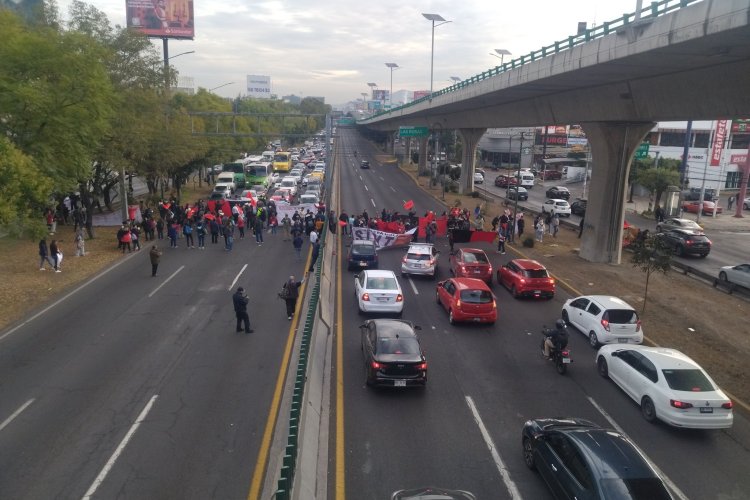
x: 442, y: 226
x: 408, y: 205
x: 488, y: 236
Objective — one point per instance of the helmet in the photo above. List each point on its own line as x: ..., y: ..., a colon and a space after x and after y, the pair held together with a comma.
x: 560, y: 324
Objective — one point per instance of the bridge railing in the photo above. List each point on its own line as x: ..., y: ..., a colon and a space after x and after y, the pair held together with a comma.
x: 655, y: 9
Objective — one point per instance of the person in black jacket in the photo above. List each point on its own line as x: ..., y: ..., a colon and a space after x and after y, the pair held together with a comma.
x: 240, y: 301
x: 290, y: 293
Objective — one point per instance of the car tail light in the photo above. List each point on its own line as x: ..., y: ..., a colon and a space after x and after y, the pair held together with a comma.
x: 463, y: 269
x: 522, y: 281
x: 680, y: 404
x: 366, y: 297
x: 728, y: 405
x: 638, y: 326
x: 605, y: 324
x: 422, y: 366
x: 404, y: 259
x: 565, y: 354
x: 399, y: 298
x: 458, y: 303
x: 376, y: 366
x: 494, y: 304
x: 551, y: 281
x: 490, y: 269
x: 432, y: 262
x: 708, y: 241
x: 688, y: 242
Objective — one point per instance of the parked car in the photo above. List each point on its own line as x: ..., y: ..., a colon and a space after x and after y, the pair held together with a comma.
x: 708, y: 207
x: 578, y: 207
x: 504, y: 181
x: 603, y: 319
x: 668, y: 386
x: 554, y: 206
x: 362, y: 253
x: 392, y: 353
x: 686, y: 242
x: 420, y: 258
x: 579, y: 459
x: 677, y: 223
x: 467, y: 299
x: 551, y: 175
x: 513, y: 191
x: 558, y: 193
x: 471, y: 263
x: 526, y: 278
x: 746, y: 203
x: 694, y: 194
x: 364, y: 164
x: 378, y: 291
x: 739, y: 275
x: 478, y: 178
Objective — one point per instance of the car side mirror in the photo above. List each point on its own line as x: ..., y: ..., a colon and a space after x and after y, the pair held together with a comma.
x: 417, y: 327
x: 615, y: 354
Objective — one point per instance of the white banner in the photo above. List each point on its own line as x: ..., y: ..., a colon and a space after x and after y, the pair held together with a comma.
x: 381, y: 238
x: 302, y: 208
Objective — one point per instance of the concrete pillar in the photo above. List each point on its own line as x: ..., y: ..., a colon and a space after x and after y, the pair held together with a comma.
x: 613, y: 145
x: 407, y: 146
x: 422, y: 168
x: 470, y: 138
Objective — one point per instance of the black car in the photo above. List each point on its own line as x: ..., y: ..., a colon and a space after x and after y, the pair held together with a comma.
x: 364, y: 164
x: 523, y: 194
x: 578, y: 207
x: 558, y: 193
x: 686, y: 242
x: 362, y: 254
x: 393, y: 356
x: 579, y: 459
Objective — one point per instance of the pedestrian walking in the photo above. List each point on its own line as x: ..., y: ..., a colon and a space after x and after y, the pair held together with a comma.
x: 241, y: 225
x: 54, y: 251
x: 135, y: 234
x: 155, y: 256
x: 313, y: 237
x: 500, y: 242
x: 44, y: 255
x: 555, y: 225
x: 80, y: 243
x: 451, y: 240
x: 273, y: 222
x: 548, y: 222
x: 286, y: 224
x: 171, y: 234
x: 730, y: 202
x: 240, y: 301
x: 290, y: 293
x: 228, y: 235
x: 297, y: 243
x: 540, y: 230
x: 187, y: 230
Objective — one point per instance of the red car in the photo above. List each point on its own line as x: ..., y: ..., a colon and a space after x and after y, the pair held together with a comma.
x: 504, y: 181
x: 708, y: 207
x: 471, y: 263
x: 552, y: 175
x: 525, y: 277
x: 467, y: 299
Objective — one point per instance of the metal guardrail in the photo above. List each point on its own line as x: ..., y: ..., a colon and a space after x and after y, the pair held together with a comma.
x: 652, y: 11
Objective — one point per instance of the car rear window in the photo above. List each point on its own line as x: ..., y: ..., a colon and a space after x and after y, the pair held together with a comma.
x: 382, y: 284
x: 476, y: 296
x: 621, y: 316
x: 535, y: 273
x: 394, y: 345
x: 474, y: 258
x: 639, y: 488
x: 363, y: 249
x: 690, y: 380
x: 418, y: 256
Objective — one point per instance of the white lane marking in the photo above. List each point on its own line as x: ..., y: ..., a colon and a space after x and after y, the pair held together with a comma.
x: 360, y: 178
x: 237, y: 277
x: 413, y: 286
x: 15, y: 414
x: 619, y: 429
x: 166, y: 281
x: 65, y: 297
x: 118, y: 451
x: 392, y: 189
x: 372, y: 201
x: 501, y: 467
x: 366, y: 188
x: 381, y: 178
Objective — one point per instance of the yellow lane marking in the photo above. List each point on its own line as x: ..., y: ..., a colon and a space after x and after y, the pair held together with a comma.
x: 340, y: 469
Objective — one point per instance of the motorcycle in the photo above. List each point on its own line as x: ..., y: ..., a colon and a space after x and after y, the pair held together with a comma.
x: 560, y: 357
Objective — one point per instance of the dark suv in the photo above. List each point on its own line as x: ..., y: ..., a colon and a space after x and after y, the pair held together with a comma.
x: 578, y: 207
x: 362, y: 254
x: 686, y: 242
x: 393, y: 356
x: 694, y: 194
x: 558, y: 193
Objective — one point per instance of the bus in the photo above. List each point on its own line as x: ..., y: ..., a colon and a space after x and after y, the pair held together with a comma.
x: 282, y: 161
x: 259, y: 173
x: 237, y: 167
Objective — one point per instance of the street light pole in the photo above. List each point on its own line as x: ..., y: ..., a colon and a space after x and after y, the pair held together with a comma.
x: 220, y: 86
x: 433, y: 18
x: 392, y: 66
x: 518, y: 184
x: 500, y: 54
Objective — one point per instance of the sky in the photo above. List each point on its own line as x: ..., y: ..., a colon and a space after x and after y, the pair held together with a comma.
x: 333, y: 48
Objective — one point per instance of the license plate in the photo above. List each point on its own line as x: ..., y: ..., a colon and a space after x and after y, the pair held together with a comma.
x: 382, y: 299
x: 477, y: 271
x: 705, y: 409
x: 622, y: 340
x: 477, y: 319
x: 566, y: 360
x: 399, y: 383
x: 363, y: 263
x: 537, y: 292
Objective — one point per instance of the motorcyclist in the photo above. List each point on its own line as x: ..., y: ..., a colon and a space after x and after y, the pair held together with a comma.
x: 355, y: 153
x: 555, y: 339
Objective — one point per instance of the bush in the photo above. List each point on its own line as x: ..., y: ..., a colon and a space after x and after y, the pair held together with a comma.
x: 528, y: 242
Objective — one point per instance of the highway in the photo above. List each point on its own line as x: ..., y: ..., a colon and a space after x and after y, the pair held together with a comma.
x: 463, y: 431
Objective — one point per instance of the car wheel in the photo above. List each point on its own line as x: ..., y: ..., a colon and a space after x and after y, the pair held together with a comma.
x: 647, y: 409
x: 514, y: 292
x: 528, y: 454
x: 723, y: 276
x: 601, y: 366
x: 593, y: 340
x: 451, y: 320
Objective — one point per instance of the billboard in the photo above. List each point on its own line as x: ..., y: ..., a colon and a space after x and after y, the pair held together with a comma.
x: 259, y: 86
x: 161, y: 18
x: 379, y: 95
x: 418, y: 94
x: 374, y: 105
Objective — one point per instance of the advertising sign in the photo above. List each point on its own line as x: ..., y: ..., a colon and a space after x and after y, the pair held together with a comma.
x: 161, y: 18
x: 418, y: 94
x: 374, y: 105
x: 379, y: 95
x: 722, y: 126
x: 740, y: 159
x: 259, y: 86
x: 741, y: 126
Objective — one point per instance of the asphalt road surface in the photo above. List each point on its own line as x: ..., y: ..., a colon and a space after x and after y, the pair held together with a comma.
x: 463, y: 431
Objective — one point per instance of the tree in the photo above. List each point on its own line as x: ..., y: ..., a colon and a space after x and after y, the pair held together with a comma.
x: 657, y: 179
x: 650, y: 255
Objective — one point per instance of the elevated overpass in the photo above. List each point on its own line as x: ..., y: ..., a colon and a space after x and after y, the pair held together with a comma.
x: 673, y: 60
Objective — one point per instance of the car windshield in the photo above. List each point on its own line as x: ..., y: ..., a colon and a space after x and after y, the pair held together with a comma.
x: 621, y: 316
x: 363, y: 249
x: 691, y: 380
x: 645, y: 488
x: 476, y: 296
x: 475, y: 258
x: 382, y: 283
x: 398, y: 345
x: 535, y: 273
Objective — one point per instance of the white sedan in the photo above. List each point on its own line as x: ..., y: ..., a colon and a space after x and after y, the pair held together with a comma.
x: 478, y: 178
x: 668, y: 386
x: 554, y: 206
x: 378, y: 291
x: 739, y: 275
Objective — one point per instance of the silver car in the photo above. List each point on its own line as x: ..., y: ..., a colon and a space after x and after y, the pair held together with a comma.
x: 739, y: 275
x: 420, y: 258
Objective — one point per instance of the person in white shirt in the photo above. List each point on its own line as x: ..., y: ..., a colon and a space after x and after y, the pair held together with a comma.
x: 313, y: 237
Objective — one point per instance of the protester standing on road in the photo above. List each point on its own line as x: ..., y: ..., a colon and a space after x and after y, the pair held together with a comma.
x: 555, y: 225
x: 290, y: 293
x: 500, y: 241
x: 155, y: 255
x: 240, y: 300
x: 286, y: 223
x: 44, y: 255
x: 200, y: 229
x: 298, y: 242
x: 259, y: 231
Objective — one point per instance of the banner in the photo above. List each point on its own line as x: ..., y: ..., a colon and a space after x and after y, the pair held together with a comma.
x: 471, y: 236
x: 161, y: 18
x: 383, y: 239
x: 721, y: 134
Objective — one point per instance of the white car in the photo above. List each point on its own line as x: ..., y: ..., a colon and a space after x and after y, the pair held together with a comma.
x: 554, y: 206
x: 297, y: 174
x: 603, y: 319
x: 668, y: 386
x: 739, y: 275
x: 274, y: 180
x: 478, y: 178
x: 378, y: 291
x: 746, y: 204
x: 289, y: 183
x: 309, y: 198
x: 320, y: 164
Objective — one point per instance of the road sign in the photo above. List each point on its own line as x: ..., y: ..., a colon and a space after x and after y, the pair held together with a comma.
x: 413, y: 131
x: 642, y: 151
